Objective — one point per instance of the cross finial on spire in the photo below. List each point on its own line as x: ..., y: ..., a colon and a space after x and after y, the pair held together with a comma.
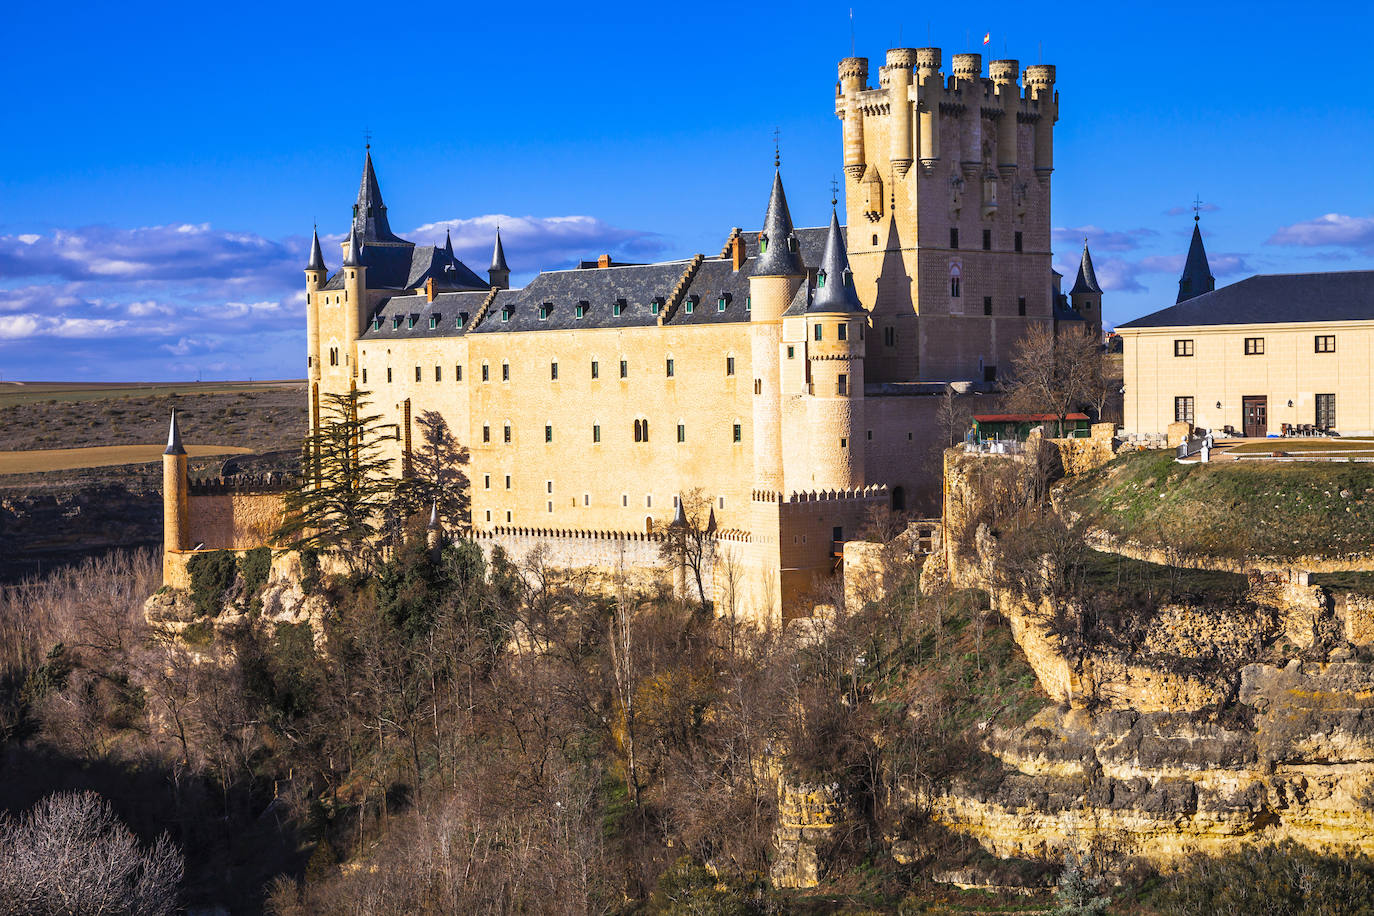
x: 367, y: 138
x: 1197, y: 207
x: 834, y: 192
x: 777, y: 150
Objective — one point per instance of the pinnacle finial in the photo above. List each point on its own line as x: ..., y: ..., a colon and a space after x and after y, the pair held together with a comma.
x: 679, y: 517
x: 834, y: 192
x: 174, y: 446
x: 777, y: 150
x: 1197, y: 207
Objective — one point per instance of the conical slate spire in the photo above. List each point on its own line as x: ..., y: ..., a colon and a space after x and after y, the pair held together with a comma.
x: 174, y: 446
x: 316, y: 255
x: 369, y: 213
x: 448, y: 244
x: 498, y: 254
x: 779, y: 254
x: 1197, y: 275
x: 1086, y: 281
x: 679, y: 517
x: 351, y: 259
x: 834, y: 280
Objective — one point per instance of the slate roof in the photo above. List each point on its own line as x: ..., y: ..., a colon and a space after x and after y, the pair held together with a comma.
x: 369, y: 213
x: 448, y: 308
x: 1086, y: 281
x: 316, y: 261
x: 498, y: 253
x: 833, y: 289
x: 1273, y: 299
x: 407, y: 266
x: 780, y: 259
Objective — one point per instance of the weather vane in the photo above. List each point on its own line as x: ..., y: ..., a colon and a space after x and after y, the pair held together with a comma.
x: 367, y: 138
x: 834, y: 191
x: 777, y: 150
x: 1197, y: 206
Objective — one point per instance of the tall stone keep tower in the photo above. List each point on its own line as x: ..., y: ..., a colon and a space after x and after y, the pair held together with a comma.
x: 947, y: 192
x: 176, y: 497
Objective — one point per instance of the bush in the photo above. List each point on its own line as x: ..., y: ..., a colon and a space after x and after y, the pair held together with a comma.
x: 254, y: 567
x: 211, y: 575
x: 1285, y: 879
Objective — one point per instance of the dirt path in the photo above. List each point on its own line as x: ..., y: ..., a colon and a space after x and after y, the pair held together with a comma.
x: 62, y: 459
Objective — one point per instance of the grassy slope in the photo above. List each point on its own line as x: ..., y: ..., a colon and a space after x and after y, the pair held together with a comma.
x: 1231, y: 509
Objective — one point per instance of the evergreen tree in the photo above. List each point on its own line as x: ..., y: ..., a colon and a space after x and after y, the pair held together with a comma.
x: 347, y: 490
x: 436, y: 476
x: 1078, y: 892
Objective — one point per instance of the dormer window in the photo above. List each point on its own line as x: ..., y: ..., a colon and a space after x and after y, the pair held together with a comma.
x: 657, y: 304
x: 691, y: 304
x: 619, y: 307
x: 847, y: 277
x: 377, y: 323
x: 505, y: 314
x: 792, y: 246
x: 763, y: 243
x: 544, y: 310
x: 722, y: 302
x: 410, y: 321
x: 395, y: 322
x: 434, y: 321
x: 462, y: 318
x: 820, y: 279
x: 582, y: 308
x: 748, y: 303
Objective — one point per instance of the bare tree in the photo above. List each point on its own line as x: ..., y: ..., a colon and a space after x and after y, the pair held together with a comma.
x: 693, y: 543
x: 71, y: 854
x: 1056, y: 373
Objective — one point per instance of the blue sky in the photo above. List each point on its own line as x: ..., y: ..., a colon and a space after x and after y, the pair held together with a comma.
x: 162, y: 165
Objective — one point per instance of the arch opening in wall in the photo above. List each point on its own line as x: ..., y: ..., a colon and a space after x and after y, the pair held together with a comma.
x: 648, y: 524
x: 898, y: 499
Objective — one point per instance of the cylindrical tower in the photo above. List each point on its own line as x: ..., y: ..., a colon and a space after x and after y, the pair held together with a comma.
x: 968, y: 82
x: 1003, y: 73
x: 853, y: 80
x: 355, y: 296
x: 1040, y: 87
x: 898, y: 79
x: 835, y: 408
x: 930, y: 92
x: 315, y: 275
x: 176, y: 499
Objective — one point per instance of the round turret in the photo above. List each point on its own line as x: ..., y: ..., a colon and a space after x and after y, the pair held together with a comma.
x: 928, y: 60
x: 1003, y: 71
x: 1040, y: 76
x: 902, y: 57
x: 853, y: 73
x: 968, y: 67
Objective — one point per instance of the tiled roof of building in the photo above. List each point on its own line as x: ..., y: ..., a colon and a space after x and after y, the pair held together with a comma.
x: 407, y: 266
x: 1273, y: 299
x: 449, y: 312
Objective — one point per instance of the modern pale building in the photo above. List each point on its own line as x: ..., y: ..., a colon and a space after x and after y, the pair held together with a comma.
x: 792, y: 378
x: 1269, y: 352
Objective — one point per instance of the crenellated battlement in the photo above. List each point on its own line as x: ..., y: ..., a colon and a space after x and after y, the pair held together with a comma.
x: 502, y: 531
x: 271, y: 482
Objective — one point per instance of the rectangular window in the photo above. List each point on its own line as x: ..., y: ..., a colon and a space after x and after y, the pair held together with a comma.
x: 987, y: 305
x: 364, y: 376
x: 1183, y: 348
x: 488, y: 515
x: 550, y: 505
x: 596, y: 432
x: 649, y: 501
x: 624, y: 369
x: 987, y: 239
x: 619, y: 305
x: 458, y: 373
x: 1326, y: 411
x: 486, y: 432
x: 842, y: 331
x: 548, y: 486
x: 581, y: 310
x: 507, y: 516
x: 505, y: 372
x: 553, y: 372
x: 410, y: 322
x: 758, y: 386
x: 1326, y: 343
x: 417, y: 373
x: 1016, y: 241
x: 433, y: 322
x: 844, y: 443
x: 869, y: 435
x: 1183, y: 410
x: 596, y: 369
x: 737, y: 433
x: 507, y: 481
x: 438, y: 374
x: 548, y: 433
x: 889, y: 337
x: 395, y: 322
x: 1254, y: 346
x: 681, y: 433
x: 720, y: 304
x: 748, y: 303
x: 842, y: 383
x: 388, y: 375
x: 505, y: 432
x: 691, y: 303
x: 586, y: 499
x: 505, y: 316
x: 653, y: 309
x: 729, y: 365
x: 486, y: 372
x: 624, y: 499
x: 817, y: 332
x: 670, y: 368
x: 953, y: 237
x: 791, y: 352
x: 486, y: 481
x: 1021, y: 305
x: 544, y: 311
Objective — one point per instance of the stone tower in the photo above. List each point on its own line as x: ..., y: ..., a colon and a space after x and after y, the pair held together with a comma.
x: 1086, y: 295
x: 176, y: 497
x: 947, y: 191
x: 823, y: 377
x: 315, y: 276
x: 499, y: 272
x: 1197, y: 274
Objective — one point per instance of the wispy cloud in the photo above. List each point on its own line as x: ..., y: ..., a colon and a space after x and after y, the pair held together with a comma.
x: 1179, y: 211
x: 1335, y: 230
x: 1120, y: 275
x: 533, y: 242
x: 1100, y: 239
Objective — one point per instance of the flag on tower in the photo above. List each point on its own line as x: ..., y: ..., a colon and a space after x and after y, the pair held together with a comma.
x: 987, y: 37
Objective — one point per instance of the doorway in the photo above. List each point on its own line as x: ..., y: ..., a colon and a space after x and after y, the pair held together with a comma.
x: 1255, y: 411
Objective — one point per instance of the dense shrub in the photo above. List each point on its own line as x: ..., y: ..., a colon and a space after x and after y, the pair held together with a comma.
x: 1279, y: 880
x: 254, y: 567
x: 211, y: 575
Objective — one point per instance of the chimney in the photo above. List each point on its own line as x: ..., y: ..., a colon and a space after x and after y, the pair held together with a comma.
x: 737, y: 252
x: 603, y: 261
x: 429, y: 288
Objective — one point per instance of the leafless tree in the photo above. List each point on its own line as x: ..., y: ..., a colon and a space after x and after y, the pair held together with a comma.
x: 1056, y: 373
x: 70, y: 855
x: 692, y: 545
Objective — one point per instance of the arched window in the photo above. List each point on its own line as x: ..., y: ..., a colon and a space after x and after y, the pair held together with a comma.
x: 954, y: 278
x: 641, y: 430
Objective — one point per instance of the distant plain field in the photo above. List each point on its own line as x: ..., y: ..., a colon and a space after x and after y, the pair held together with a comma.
x: 256, y: 416
x: 35, y: 461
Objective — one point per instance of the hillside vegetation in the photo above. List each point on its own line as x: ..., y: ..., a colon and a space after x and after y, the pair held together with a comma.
x: 1229, y: 508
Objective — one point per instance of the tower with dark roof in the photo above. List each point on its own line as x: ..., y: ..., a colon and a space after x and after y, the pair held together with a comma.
x: 315, y: 276
x: 499, y: 272
x: 1197, y: 275
x: 176, y: 497
x: 1086, y: 295
x: 369, y: 213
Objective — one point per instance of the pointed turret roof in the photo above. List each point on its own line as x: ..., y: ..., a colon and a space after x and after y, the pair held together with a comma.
x: 316, y: 255
x: 498, y: 254
x: 834, y: 280
x: 778, y: 248
x: 1086, y: 281
x: 353, y: 257
x: 448, y: 243
x: 369, y: 213
x: 679, y: 517
x: 1197, y: 275
x: 174, y: 446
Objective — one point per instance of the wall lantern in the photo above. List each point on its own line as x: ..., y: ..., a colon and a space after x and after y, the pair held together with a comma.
x: 1290, y: 402
x: 1218, y: 405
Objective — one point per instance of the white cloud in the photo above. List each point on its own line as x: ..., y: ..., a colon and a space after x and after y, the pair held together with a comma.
x: 1332, y: 229
x: 1100, y: 239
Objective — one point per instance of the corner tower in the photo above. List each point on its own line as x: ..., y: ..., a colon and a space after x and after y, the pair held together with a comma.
x: 176, y: 498
x: 1197, y: 274
x: 1086, y: 295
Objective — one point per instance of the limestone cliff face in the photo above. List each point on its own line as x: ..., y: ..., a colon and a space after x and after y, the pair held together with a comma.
x: 1182, y: 727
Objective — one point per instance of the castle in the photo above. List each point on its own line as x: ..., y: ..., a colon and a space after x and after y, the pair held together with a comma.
x: 793, y: 377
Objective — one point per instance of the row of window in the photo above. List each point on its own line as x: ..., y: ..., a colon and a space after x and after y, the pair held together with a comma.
x: 987, y: 239
x: 1184, y: 410
x: 655, y: 306
x: 1254, y: 346
x: 624, y: 502
x: 670, y: 369
x: 640, y: 431
x: 987, y: 304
